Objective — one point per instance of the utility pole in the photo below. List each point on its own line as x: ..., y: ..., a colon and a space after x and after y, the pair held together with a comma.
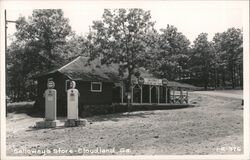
x: 6, y: 27
x: 5, y: 21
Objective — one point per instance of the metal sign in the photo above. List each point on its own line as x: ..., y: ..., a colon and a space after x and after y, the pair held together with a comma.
x: 50, y: 97
x: 164, y: 81
x: 134, y: 81
x: 140, y: 80
x: 129, y: 95
x: 150, y: 81
x: 72, y: 96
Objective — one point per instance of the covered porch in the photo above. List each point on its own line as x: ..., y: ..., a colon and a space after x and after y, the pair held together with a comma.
x: 152, y: 92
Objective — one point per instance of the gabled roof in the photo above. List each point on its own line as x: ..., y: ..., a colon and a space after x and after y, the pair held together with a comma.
x: 83, y: 69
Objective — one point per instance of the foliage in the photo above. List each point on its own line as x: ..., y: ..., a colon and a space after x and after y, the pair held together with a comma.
x: 229, y: 48
x: 120, y: 37
x: 45, y: 30
x: 202, y: 58
x: 74, y: 47
x: 21, y: 63
x: 126, y: 37
x: 172, y: 54
x: 35, y: 50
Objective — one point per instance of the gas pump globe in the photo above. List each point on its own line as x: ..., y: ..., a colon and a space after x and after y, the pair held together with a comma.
x: 72, y: 84
x: 50, y: 84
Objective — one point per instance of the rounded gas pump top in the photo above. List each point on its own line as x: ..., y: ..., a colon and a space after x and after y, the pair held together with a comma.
x: 72, y: 84
x: 51, y: 84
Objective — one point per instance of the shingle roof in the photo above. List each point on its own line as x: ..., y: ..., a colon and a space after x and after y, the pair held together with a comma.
x: 83, y: 69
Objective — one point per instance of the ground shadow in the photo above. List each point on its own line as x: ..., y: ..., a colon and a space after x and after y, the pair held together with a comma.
x: 29, y: 109
x: 117, y: 116
x: 138, y: 111
x: 117, y: 112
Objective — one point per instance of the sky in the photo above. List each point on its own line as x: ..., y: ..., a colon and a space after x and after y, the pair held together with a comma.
x: 190, y: 17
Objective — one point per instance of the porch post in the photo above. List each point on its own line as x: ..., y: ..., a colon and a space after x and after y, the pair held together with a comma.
x: 173, y: 94
x: 181, y: 95
x: 187, y: 95
x: 158, y: 94
x: 122, y: 91
x: 141, y: 92
x: 132, y: 92
x: 166, y: 96
x: 149, y: 93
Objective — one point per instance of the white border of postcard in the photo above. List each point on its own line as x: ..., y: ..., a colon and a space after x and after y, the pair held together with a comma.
x: 22, y: 4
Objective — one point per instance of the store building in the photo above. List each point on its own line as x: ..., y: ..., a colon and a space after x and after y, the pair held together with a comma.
x: 101, y: 85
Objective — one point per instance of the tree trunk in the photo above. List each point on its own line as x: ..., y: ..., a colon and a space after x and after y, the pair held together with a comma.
x: 241, y: 76
x: 223, y: 78
x: 215, y: 78
x: 232, y: 75
x: 129, y: 88
x: 18, y: 92
x: 205, y: 78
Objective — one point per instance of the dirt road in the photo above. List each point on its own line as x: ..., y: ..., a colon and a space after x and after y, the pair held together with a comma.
x: 213, y: 126
x: 223, y: 93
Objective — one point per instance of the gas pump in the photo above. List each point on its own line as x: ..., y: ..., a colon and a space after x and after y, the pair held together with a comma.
x: 72, y: 107
x: 72, y: 101
x: 50, y: 102
x: 50, y: 107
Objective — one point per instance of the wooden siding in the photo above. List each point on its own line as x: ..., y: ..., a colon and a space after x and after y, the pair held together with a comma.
x: 94, y: 98
x: 86, y: 96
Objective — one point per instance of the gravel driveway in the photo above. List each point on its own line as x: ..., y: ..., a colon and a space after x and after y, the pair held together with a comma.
x: 213, y: 126
x: 224, y: 93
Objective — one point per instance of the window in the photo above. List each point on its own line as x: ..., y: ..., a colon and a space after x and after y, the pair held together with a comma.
x: 96, y: 86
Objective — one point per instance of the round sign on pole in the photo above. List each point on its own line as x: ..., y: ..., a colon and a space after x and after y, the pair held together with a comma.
x: 133, y: 81
x: 141, y: 80
x: 164, y: 81
x: 129, y: 95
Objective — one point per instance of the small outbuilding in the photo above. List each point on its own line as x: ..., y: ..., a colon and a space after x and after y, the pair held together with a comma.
x: 100, y: 84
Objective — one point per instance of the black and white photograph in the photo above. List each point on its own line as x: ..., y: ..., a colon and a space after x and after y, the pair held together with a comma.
x: 125, y: 79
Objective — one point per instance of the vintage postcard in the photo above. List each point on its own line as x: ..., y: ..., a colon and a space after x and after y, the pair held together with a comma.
x: 124, y: 80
